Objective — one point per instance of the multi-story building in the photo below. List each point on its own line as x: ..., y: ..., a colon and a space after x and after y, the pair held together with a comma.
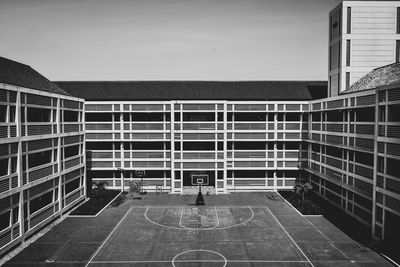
x: 42, y: 160
x: 234, y: 135
x: 363, y: 35
x: 354, y: 150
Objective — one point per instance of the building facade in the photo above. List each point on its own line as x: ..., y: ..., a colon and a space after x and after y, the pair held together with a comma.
x: 363, y: 35
x: 354, y: 150
x: 232, y: 145
x: 42, y: 159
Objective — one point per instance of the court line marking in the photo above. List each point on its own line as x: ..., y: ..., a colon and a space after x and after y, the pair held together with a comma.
x: 201, y: 250
x: 98, y: 213
x: 327, y: 238
x: 310, y: 223
x: 182, y: 261
x: 190, y: 228
x: 108, y: 237
x: 200, y: 229
x: 290, y: 237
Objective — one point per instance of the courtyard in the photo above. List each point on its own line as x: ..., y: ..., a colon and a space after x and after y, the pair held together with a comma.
x: 238, y: 229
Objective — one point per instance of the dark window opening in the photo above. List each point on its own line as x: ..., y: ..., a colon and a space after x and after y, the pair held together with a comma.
x: 293, y: 117
x: 394, y: 113
x: 147, y: 117
x: 103, y: 174
x: 39, y: 158
x: 393, y: 167
x: 334, y: 116
x: 250, y: 174
x: 147, y: 146
x: 177, y: 116
x: 15, y: 215
x: 348, y: 50
x: 366, y: 114
x: 4, y: 220
x: 198, y: 146
x: 316, y: 116
x: 348, y: 20
x: 347, y: 79
x: 126, y: 116
x: 38, y: 115
x: 40, y: 202
x: 98, y: 117
x: 203, y: 116
x: 364, y: 158
x: 71, y: 151
x: 397, y: 51
x: 71, y: 116
x: 71, y: 186
x: 99, y: 146
x: 117, y: 117
x: 334, y: 151
x: 3, y: 113
x: 250, y: 145
x: 220, y: 145
x: 3, y: 167
x: 250, y: 116
x: 292, y: 146
x: 398, y: 21
x: 127, y: 146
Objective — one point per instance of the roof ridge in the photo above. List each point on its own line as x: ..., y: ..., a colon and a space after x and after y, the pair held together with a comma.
x: 16, y: 62
x: 163, y: 81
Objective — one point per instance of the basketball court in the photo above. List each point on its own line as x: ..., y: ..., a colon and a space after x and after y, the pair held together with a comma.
x: 271, y: 234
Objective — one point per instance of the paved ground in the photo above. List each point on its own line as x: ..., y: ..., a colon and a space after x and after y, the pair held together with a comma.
x: 241, y: 229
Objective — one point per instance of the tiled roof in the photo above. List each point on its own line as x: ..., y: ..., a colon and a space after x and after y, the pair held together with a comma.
x: 193, y: 90
x: 18, y: 74
x: 386, y: 75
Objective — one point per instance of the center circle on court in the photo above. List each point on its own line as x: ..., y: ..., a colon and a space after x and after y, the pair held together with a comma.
x: 198, y: 255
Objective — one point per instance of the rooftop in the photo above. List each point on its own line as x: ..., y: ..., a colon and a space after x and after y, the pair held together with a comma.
x: 194, y: 90
x: 382, y: 76
x: 18, y: 74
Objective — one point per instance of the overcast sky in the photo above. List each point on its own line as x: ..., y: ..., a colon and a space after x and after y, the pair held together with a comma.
x: 168, y: 39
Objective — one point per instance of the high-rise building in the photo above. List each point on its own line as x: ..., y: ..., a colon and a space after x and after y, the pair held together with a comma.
x: 363, y: 35
x: 42, y: 159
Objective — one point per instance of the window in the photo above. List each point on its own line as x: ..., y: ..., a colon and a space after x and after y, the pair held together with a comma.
x: 4, y: 220
x: 204, y: 116
x: 11, y: 114
x: 339, y: 54
x: 397, y: 51
x: 71, y: 116
x: 40, y: 202
x: 39, y: 158
x: 71, y: 186
x: 347, y: 79
x: 71, y: 151
x: 38, y: 115
x: 3, y: 113
x: 98, y: 117
x: 348, y: 48
x: 3, y: 167
x: 398, y: 21
x: 349, y: 20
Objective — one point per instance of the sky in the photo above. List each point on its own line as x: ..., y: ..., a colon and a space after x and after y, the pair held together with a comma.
x: 168, y: 39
